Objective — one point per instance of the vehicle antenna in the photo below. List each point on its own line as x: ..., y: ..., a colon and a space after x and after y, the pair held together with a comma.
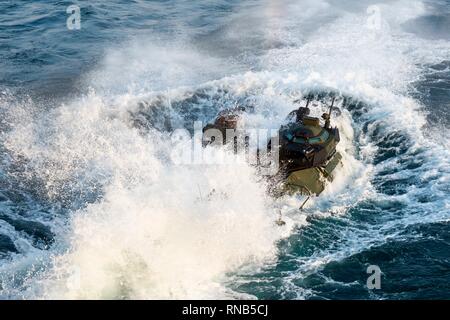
x: 331, y: 107
x: 327, y: 121
x: 304, y: 202
x: 308, y: 100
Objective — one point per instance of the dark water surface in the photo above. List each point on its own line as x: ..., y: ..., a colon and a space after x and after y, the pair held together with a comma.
x: 91, y: 207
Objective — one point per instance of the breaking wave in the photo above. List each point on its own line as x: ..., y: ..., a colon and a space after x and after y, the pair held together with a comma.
x: 93, y: 205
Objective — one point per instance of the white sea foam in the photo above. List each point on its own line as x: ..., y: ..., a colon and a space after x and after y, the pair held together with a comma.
x: 155, y: 232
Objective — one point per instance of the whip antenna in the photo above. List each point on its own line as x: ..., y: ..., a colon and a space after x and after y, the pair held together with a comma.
x: 327, y: 117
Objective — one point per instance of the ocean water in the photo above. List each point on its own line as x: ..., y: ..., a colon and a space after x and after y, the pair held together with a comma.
x: 92, y: 205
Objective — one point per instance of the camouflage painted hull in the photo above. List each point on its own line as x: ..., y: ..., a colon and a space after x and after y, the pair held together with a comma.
x: 306, y: 149
x: 311, y: 181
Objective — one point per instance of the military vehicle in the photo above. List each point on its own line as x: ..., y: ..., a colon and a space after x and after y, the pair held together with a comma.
x: 307, y: 150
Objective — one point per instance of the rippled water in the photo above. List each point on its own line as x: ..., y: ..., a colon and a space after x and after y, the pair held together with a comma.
x: 92, y: 205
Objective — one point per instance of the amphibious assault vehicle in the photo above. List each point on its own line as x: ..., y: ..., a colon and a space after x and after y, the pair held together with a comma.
x: 307, y: 150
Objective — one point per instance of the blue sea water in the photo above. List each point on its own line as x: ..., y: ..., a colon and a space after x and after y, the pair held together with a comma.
x: 91, y: 205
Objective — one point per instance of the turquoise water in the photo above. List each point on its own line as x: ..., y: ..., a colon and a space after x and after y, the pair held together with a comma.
x: 92, y: 205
